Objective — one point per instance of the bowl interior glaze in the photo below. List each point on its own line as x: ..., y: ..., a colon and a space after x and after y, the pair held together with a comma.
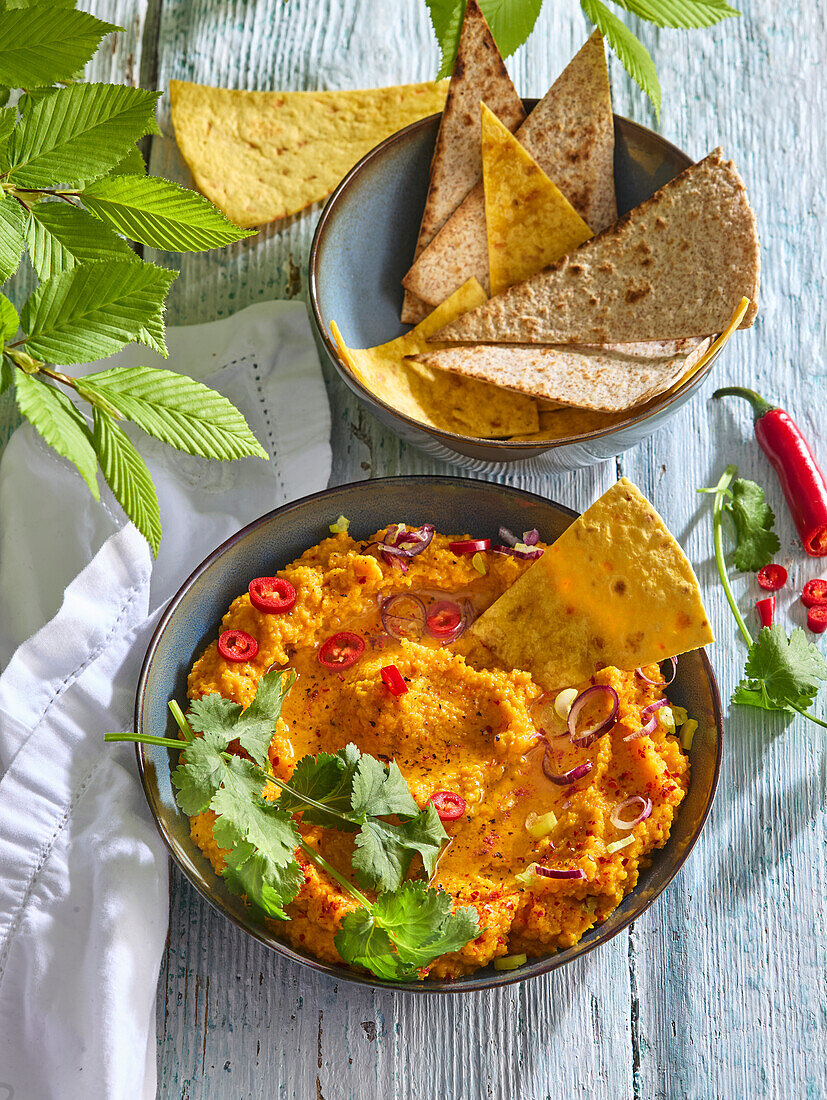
x: 455, y: 506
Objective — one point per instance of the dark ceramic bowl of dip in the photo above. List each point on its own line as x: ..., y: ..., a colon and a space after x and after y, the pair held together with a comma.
x: 454, y: 505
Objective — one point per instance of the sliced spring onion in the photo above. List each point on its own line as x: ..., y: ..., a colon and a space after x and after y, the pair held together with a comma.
x: 687, y: 733
x: 564, y: 702
x: 667, y: 719
x: 510, y: 962
x: 526, y: 877
x: 478, y: 562
x: 340, y: 526
x: 680, y: 715
x: 618, y: 844
x: 539, y: 825
x: 639, y: 806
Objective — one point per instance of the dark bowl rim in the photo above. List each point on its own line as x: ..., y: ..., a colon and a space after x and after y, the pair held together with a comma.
x: 539, y: 966
x: 518, y: 447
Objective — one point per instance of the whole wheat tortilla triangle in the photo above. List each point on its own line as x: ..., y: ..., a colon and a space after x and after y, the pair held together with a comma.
x: 263, y: 155
x: 614, y: 589
x: 673, y: 267
x: 608, y: 378
x: 479, y: 75
x: 570, y: 133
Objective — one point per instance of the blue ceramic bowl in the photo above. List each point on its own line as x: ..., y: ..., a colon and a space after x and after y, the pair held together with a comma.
x: 454, y: 506
x: 363, y: 247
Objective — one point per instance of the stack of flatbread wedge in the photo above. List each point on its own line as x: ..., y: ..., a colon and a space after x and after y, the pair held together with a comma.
x: 589, y: 316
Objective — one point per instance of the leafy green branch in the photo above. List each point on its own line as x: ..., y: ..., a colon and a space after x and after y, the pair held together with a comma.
x: 512, y: 21
x: 73, y: 194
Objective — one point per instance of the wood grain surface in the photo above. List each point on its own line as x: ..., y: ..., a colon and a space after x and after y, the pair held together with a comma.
x: 719, y: 991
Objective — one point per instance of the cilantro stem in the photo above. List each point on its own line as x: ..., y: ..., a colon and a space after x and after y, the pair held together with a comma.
x: 812, y: 717
x: 146, y: 739
x: 717, y: 534
x: 320, y: 861
x: 181, y: 720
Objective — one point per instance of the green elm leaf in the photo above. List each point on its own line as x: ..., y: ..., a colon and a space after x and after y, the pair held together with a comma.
x: 243, y: 815
x: 633, y: 55
x: 8, y: 119
x: 160, y: 213
x: 60, y: 237
x: 756, y: 542
x: 379, y: 790
x: 781, y: 673
x: 54, y: 416
x: 6, y: 376
x: 327, y: 778
x: 384, y: 852
x: 264, y: 883
x: 9, y: 321
x: 680, y: 13
x: 94, y: 310
x: 78, y: 134
x: 200, y: 773
x: 177, y: 410
x: 133, y: 164
x: 47, y: 43
x: 127, y: 476
x: 511, y: 22
x: 12, y: 244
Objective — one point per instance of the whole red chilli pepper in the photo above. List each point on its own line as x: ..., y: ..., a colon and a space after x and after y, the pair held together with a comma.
x: 802, y: 481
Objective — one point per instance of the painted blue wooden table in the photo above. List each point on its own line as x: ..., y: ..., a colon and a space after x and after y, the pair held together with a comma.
x: 719, y: 991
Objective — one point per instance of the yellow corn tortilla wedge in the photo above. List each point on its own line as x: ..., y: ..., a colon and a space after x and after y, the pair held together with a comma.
x: 438, y: 398
x: 264, y: 155
x: 529, y: 221
x: 614, y: 589
x: 564, y: 423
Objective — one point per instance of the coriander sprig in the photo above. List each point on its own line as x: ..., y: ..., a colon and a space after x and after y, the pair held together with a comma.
x: 781, y: 673
x: 73, y: 193
x: 409, y: 924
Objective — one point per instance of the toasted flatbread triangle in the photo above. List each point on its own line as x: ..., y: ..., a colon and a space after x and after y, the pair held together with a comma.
x: 614, y: 589
x: 264, y: 155
x: 479, y: 76
x: 570, y: 133
x: 529, y: 221
x: 673, y: 267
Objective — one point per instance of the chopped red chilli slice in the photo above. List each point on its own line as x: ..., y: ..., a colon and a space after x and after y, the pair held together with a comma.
x: 814, y: 592
x: 817, y: 618
x: 273, y: 595
x: 766, y: 610
x: 560, y: 872
x: 342, y: 650
x: 448, y: 805
x: 393, y: 680
x: 772, y: 577
x: 469, y: 546
x: 236, y: 645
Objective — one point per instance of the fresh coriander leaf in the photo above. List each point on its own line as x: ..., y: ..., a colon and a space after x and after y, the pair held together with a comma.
x: 79, y: 134
x: 384, y: 852
x: 12, y: 244
x: 243, y: 815
x: 177, y: 410
x: 680, y: 13
x: 94, y: 310
x: 379, y: 790
x: 361, y: 942
x: 9, y: 321
x: 127, y: 476
x: 511, y: 22
x: 200, y: 772
x: 54, y: 416
x: 255, y: 726
x: 327, y: 778
x: 60, y: 237
x: 265, y: 884
x: 160, y: 213
x: 46, y: 43
x: 215, y: 715
x: 633, y: 55
x: 781, y: 673
x: 756, y: 542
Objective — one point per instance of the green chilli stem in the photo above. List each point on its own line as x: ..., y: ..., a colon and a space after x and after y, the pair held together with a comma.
x: 721, y: 490
x: 320, y: 861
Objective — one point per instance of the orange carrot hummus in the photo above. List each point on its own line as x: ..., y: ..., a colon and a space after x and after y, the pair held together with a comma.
x: 490, y: 735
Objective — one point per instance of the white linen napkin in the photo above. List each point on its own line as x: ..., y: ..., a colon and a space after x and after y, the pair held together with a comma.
x: 83, y: 871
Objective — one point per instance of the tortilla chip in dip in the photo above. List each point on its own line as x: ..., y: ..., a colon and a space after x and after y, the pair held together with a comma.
x: 439, y: 398
x: 263, y: 155
x: 479, y: 75
x: 614, y: 589
x: 674, y: 266
x: 564, y: 423
x: 529, y: 221
x: 570, y: 133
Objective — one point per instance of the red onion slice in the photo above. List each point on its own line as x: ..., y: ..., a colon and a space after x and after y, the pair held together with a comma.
x: 652, y: 721
x: 560, y: 872
x: 525, y: 555
x: 414, y: 542
x: 584, y: 738
x: 567, y: 777
x: 644, y: 809
x: 657, y: 683
x: 403, y: 616
x: 508, y: 537
x: 532, y: 537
